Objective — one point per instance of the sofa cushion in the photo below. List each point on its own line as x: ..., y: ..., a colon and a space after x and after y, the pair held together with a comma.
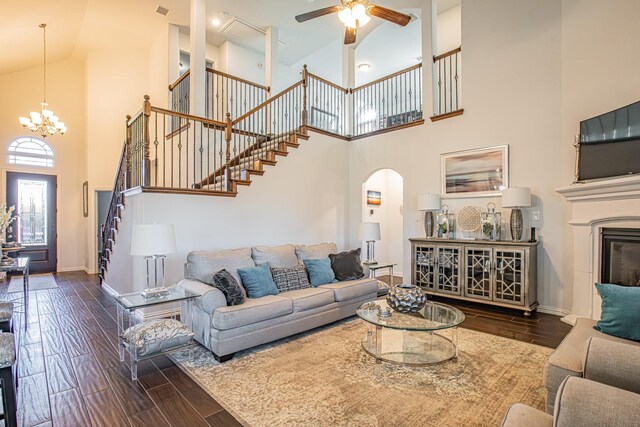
x: 290, y: 279
x: 251, y: 311
x: 346, y: 265
x: 306, y: 299
x: 568, y: 359
x: 620, y: 311
x: 315, y: 251
x: 258, y: 281
x: 276, y: 256
x: 344, y: 291
x: 202, y: 264
x: 320, y: 271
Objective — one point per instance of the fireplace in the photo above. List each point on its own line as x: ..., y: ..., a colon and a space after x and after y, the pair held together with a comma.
x: 620, y: 256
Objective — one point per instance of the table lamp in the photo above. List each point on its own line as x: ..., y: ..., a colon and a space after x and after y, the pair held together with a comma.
x: 369, y: 232
x: 428, y: 203
x: 516, y: 198
x: 153, y: 242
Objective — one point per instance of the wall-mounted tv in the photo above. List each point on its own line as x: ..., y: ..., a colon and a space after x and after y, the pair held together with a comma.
x: 610, y: 144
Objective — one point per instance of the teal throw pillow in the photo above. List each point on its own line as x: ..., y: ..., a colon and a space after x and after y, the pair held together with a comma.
x: 258, y: 281
x: 320, y: 271
x: 620, y: 313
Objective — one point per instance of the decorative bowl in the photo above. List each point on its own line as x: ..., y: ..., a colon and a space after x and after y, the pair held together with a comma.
x: 406, y: 298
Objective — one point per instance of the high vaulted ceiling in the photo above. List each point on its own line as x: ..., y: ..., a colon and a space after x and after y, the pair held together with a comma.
x: 76, y: 26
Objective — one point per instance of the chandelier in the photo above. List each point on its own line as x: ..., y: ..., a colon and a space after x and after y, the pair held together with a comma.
x: 44, y: 122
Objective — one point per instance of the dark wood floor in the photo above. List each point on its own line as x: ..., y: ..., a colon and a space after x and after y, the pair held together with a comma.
x: 70, y: 374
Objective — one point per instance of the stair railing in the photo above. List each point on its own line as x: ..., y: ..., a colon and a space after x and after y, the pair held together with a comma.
x: 180, y: 93
x: 328, y: 106
x: 391, y: 101
x: 446, y: 71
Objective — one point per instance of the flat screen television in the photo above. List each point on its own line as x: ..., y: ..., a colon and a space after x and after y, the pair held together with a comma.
x: 610, y: 144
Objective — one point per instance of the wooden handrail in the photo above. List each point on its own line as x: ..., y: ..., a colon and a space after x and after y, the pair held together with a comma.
x: 446, y: 54
x: 241, y: 80
x: 188, y: 116
x: 181, y: 78
x: 327, y: 82
x: 390, y: 76
x: 268, y: 101
x: 135, y: 116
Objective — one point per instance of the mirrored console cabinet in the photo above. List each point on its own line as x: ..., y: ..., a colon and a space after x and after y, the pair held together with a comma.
x: 496, y: 273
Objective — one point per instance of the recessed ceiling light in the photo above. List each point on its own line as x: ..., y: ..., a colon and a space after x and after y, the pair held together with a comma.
x: 215, y: 22
x: 364, y: 67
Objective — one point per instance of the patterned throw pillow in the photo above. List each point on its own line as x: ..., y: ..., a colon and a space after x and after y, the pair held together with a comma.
x: 290, y: 279
x: 229, y: 286
x: 157, y: 335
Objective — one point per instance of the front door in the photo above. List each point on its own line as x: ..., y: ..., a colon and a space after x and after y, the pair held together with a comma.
x: 34, y: 197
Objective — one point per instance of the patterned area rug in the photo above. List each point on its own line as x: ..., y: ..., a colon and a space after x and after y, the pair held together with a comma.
x: 324, y: 378
x: 36, y: 283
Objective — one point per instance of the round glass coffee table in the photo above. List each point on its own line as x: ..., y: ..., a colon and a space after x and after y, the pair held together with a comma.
x: 423, y: 338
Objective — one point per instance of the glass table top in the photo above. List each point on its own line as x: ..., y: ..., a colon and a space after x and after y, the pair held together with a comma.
x: 432, y: 317
x: 136, y: 300
x: 20, y: 264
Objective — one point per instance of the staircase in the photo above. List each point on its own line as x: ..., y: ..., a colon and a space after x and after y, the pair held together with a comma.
x: 167, y: 151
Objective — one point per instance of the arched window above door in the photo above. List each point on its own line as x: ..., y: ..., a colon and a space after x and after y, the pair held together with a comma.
x: 30, y: 151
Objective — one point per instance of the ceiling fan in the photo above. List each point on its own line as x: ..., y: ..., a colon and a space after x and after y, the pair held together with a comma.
x: 355, y: 14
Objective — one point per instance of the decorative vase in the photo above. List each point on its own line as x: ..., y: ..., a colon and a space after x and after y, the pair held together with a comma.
x: 406, y: 298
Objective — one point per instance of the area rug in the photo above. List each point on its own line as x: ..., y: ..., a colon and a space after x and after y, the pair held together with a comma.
x: 324, y: 378
x: 38, y: 282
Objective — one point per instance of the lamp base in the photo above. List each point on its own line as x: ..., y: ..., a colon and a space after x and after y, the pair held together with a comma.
x: 516, y: 224
x: 154, y: 292
x: 428, y: 224
x: 370, y: 253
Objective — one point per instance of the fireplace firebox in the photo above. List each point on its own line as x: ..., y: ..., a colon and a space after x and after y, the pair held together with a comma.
x: 620, y: 256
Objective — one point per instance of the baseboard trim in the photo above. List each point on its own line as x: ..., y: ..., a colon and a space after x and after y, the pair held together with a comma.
x: 108, y: 289
x: 70, y: 269
x: 553, y: 310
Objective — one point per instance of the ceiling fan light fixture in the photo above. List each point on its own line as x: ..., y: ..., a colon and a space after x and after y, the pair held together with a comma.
x: 354, y: 16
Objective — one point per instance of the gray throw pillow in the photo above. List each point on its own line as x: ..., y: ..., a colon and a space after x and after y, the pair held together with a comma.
x: 290, y: 279
x: 347, y: 265
x: 229, y: 286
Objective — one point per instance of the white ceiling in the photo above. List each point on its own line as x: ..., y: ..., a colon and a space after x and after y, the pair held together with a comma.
x: 76, y: 26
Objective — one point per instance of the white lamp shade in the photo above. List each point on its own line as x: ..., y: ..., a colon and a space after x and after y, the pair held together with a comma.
x: 516, y: 197
x: 369, y: 231
x: 429, y: 202
x: 153, y: 239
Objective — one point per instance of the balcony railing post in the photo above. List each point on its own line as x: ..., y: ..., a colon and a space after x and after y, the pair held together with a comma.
x: 127, y: 177
x: 227, y: 137
x: 146, y: 162
x: 305, y: 86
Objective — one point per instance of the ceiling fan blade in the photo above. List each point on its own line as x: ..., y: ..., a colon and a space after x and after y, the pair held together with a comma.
x: 398, y: 18
x: 349, y: 35
x: 317, y: 13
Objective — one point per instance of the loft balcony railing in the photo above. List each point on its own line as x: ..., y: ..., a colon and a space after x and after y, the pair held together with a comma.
x: 447, y: 94
x: 225, y: 94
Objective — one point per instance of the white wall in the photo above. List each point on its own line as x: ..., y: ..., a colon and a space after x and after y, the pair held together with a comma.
x: 292, y: 203
x: 449, y: 30
x: 326, y: 62
x: 389, y: 48
x: 388, y: 215
x: 22, y: 93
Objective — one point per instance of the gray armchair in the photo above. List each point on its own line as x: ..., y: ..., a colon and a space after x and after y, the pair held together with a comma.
x: 581, y: 402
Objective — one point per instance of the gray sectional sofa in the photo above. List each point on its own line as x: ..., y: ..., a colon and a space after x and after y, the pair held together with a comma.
x: 227, y: 329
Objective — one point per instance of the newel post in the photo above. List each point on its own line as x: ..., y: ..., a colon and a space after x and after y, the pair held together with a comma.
x: 305, y: 86
x: 146, y: 162
x: 127, y: 153
x: 227, y: 137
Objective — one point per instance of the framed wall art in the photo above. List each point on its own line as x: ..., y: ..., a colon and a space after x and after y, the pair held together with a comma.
x: 374, y: 198
x: 482, y: 172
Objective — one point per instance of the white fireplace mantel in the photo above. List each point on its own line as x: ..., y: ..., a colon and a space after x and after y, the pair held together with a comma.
x: 594, y: 206
x: 627, y: 187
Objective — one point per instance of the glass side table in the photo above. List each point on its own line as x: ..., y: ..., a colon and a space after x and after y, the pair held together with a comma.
x: 178, y: 299
x: 383, y: 288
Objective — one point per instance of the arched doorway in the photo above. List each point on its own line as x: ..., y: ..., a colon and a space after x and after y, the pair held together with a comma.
x: 382, y: 202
